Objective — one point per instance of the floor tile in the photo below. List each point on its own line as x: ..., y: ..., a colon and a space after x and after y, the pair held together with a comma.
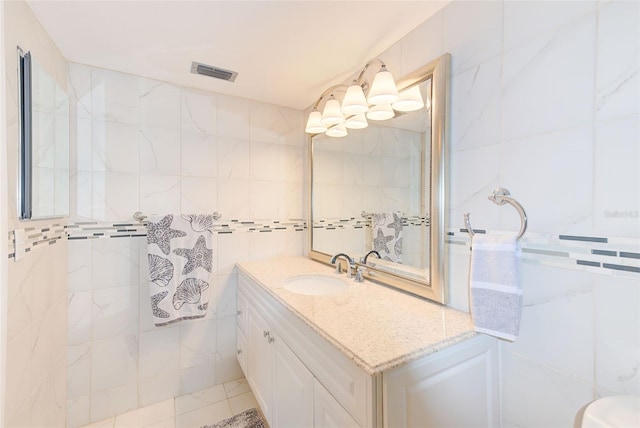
x: 236, y: 387
x: 198, y: 399
x: 146, y: 416
x: 243, y: 402
x: 105, y: 423
x: 167, y: 423
x: 207, y: 415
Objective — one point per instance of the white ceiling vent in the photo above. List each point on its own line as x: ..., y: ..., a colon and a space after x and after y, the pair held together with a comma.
x: 218, y: 73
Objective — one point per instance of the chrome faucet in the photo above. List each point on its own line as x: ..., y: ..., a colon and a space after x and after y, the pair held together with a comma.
x: 334, y: 261
x: 363, y: 260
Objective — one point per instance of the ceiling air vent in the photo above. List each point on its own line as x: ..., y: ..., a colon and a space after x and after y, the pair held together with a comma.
x: 218, y: 73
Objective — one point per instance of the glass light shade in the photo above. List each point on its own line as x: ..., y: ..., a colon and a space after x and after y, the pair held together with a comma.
x: 332, y: 115
x: 383, y: 89
x: 354, y: 101
x: 337, y: 131
x: 358, y: 121
x: 314, y: 124
x: 380, y: 112
x: 410, y: 100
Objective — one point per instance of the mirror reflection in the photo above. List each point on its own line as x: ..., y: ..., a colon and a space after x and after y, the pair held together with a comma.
x: 45, y: 143
x: 378, y: 193
x: 369, y: 192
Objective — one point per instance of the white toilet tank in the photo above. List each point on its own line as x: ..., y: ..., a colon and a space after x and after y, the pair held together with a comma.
x: 618, y: 411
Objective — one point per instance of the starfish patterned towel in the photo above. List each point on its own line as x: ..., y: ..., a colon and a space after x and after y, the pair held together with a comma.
x: 387, y: 235
x: 180, y: 258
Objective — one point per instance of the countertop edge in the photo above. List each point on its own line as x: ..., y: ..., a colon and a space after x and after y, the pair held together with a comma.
x: 371, y: 370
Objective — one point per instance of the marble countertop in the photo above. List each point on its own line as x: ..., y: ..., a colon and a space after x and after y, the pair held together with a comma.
x: 377, y: 327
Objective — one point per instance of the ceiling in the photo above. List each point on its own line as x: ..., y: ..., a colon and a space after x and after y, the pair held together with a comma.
x: 285, y: 52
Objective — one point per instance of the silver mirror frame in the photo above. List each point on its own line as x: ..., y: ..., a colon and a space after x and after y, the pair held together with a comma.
x: 436, y: 288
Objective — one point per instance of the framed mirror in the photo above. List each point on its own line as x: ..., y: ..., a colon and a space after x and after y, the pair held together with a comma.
x: 383, y: 188
x: 44, y: 143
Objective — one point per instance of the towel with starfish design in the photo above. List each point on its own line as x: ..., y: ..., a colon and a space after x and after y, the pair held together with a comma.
x: 387, y: 235
x: 180, y: 266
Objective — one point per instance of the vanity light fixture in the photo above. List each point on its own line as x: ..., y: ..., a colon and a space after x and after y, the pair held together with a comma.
x: 332, y: 114
x: 357, y: 121
x: 409, y: 100
x: 383, y: 89
x: 380, y: 112
x: 314, y: 124
x: 337, y: 131
x: 381, y: 99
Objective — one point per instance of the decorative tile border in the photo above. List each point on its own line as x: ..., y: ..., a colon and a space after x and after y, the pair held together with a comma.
x: 94, y: 230
x: 37, y: 238
x: 604, y: 255
x: 359, y: 223
x: 618, y: 256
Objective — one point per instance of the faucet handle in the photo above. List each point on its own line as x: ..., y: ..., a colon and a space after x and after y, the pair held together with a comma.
x: 338, y: 268
x: 359, y: 277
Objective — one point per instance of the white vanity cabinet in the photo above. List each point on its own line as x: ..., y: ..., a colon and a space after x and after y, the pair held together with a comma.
x: 301, y: 380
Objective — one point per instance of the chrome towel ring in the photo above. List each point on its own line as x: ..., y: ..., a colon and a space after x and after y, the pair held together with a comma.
x: 501, y: 196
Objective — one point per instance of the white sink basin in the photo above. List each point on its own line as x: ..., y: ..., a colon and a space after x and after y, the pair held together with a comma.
x: 315, y: 285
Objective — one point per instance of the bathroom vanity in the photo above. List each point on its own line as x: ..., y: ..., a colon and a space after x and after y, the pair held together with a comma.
x: 360, y: 355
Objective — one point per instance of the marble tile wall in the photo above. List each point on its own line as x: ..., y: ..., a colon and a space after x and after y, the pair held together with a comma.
x: 544, y: 101
x: 145, y: 145
x: 36, y: 309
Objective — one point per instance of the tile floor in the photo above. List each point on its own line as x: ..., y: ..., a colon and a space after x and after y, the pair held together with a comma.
x: 205, y: 407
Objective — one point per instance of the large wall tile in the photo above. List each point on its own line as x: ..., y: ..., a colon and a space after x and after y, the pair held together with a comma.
x: 113, y: 401
x: 114, y: 96
x: 199, y: 155
x: 618, y: 64
x: 199, y: 195
x: 476, y: 106
x: 115, y: 312
x: 617, y: 177
x: 108, y: 253
x: 472, y: 33
x: 553, y: 334
x: 199, y: 112
x: 159, y: 352
x: 159, y: 104
x: 427, y: 39
x: 548, y: 82
x: 159, y: 194
x: 535, y: 170
x: 114, y: 363
x: 524, y: 20
x: 159, y: 151
x: 115, y: 194
x: 110, y: 140
x: 617, y: 351
x: 538, y: 396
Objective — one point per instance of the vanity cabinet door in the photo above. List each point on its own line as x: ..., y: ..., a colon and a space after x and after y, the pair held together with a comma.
x: 327, y: 412
x: 455, y: 387
x: 260, y: 361
x: 292, y: 390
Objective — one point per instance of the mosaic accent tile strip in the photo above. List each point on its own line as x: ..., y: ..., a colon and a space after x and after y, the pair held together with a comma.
x: 94, y: 230
x: 614, y: 256
x: 37, y: 238
x: 359, y: 223
x: 604, y: 255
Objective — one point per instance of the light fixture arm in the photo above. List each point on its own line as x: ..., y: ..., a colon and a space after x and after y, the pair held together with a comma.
x: 327, y: 92
x: 366, y: 67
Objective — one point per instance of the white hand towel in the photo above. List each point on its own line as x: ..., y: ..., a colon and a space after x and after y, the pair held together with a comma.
x: 495, y: 293
x: 180, y: 266
x: 387, y: 235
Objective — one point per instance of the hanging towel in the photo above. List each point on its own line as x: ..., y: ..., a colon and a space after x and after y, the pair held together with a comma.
x: 180, y: 266
x: 495, y: 293
x: 387, y: 235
